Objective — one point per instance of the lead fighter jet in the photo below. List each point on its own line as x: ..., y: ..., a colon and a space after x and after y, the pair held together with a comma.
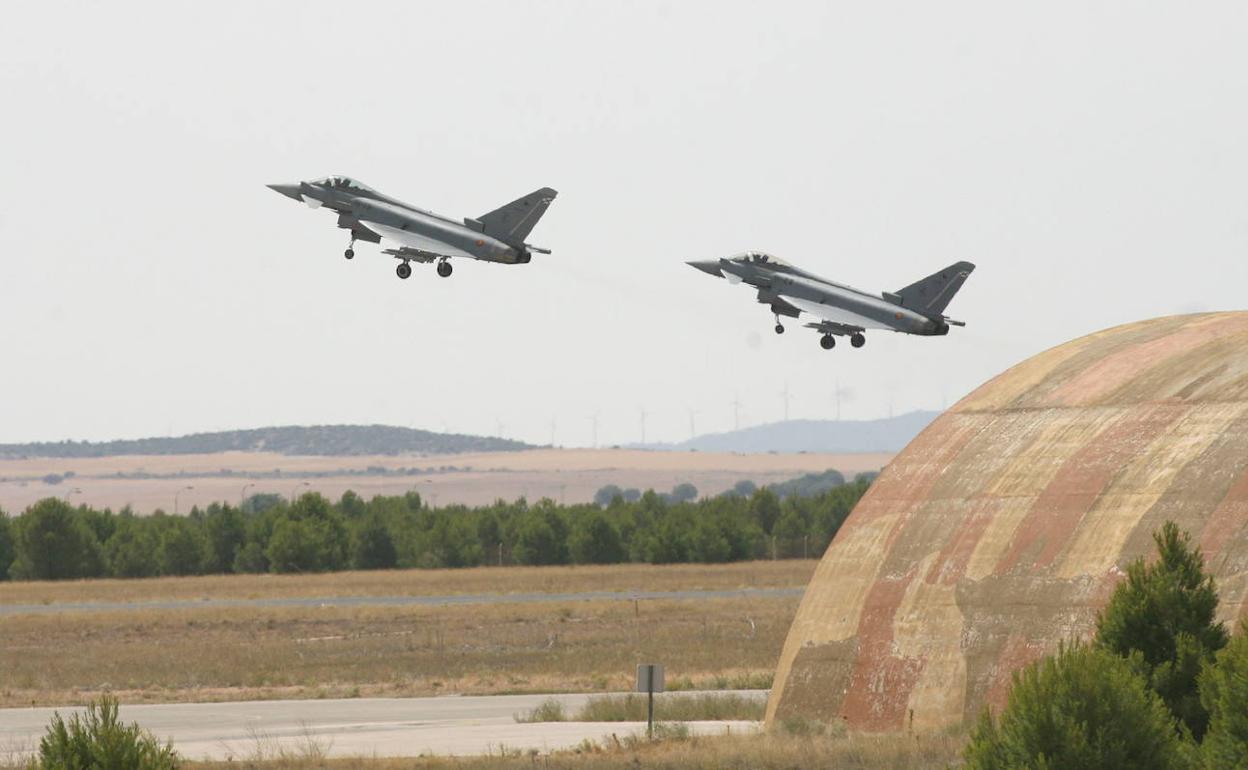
x: 423, y: 236
x: 789, y: 291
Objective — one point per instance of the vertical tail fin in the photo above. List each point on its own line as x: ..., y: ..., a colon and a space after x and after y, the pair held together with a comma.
x: 932, y: 294
x: 512, y: 223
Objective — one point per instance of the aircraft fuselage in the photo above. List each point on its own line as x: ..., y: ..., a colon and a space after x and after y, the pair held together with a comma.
x: 787, y: 281
x: 382, y: 215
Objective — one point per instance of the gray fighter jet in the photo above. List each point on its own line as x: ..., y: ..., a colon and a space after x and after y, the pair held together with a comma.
x: 843, y: 311
x: 422, y: 236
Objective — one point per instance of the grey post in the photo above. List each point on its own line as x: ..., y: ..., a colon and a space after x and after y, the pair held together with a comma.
x: 650, y: 681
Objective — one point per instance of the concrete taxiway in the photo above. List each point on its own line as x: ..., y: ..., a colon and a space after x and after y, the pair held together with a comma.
x: 458, y: 725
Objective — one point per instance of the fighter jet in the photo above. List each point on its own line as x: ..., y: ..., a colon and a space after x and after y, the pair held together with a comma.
x: 841, y: 310
x: 423, y: 236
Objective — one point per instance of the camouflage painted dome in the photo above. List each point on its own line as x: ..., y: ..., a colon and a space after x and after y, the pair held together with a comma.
x: 1004, y: 526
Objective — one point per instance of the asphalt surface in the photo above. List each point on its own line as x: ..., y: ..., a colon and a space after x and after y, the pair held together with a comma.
x: 448, y: 725
x: 396, y: 601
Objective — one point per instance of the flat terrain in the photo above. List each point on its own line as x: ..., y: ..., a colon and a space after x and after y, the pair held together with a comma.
x: 570, y: 475
x: 378, y: 727
x: 365, y: 734
x: 213, y: 653
x: 419, y: 582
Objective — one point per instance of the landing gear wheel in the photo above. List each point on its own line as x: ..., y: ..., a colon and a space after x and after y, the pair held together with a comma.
x: 827, y: 342
x: 404, y: 270
x: 444, y: 269
x: 779, y: 328
x: 857, y: 340
x: 349, y: 253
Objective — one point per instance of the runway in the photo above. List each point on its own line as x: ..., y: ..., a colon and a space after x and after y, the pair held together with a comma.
x: 397, y: 601
x: 447, y: 725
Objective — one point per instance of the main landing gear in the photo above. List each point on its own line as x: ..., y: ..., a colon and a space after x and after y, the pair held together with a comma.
x: 404, y: 270
x: 827, y: 341
x: 444, y: 268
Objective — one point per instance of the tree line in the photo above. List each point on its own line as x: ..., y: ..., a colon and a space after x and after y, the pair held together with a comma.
x: 319, y: 440
x: 52, y: 540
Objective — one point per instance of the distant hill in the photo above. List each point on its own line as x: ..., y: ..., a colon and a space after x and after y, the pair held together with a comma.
x: 288, y: 440
x: 844, y: 436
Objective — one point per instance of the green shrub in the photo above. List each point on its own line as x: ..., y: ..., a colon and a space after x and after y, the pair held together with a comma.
x: 99, y: 740
x: 549, y: 710
x: 1082, y: 708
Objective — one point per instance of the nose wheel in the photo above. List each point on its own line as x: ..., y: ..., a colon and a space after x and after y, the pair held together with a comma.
x: 350, y: 252
x: 403, y: 271
x: 827, y: 342
x: 444, y: 269
x: 779, y: 326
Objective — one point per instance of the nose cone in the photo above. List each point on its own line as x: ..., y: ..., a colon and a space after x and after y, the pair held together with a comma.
x: 711, y: 267
x: 289, y: 190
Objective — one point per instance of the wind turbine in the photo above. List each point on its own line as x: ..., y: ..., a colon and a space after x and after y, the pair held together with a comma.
x: 643, y: 412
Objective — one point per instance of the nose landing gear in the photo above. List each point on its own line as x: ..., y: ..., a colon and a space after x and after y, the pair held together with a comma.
x: 350, y: 252
x: 779, y: 326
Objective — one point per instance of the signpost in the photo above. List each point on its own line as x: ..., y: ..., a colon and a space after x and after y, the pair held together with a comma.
x: 650, y: 681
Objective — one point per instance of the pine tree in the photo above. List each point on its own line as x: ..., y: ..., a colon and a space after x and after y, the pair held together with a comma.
x: 1224, y: 694
x: 1162, y: 618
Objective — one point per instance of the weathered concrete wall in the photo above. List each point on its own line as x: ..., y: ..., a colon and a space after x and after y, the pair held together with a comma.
x: 1003, y: 527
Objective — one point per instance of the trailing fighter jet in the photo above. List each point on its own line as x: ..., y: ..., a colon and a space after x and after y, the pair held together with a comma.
x: 917, y: 309
x: 422, y: 236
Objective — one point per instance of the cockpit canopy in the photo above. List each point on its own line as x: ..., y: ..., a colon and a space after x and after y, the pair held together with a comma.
x: 759, y: 258
x: 342, y: 182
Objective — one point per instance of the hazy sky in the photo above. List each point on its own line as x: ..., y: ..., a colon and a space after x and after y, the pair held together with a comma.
x: 1089, y: 157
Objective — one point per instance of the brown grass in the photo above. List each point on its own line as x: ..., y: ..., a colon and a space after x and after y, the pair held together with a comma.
x: 248, y: 653
x: 621, y: 577
x: 668, y: 707
x: 569, y: 474
x: 760, y: 752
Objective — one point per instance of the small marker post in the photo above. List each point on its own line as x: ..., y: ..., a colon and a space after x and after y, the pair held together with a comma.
x: 650, y: 681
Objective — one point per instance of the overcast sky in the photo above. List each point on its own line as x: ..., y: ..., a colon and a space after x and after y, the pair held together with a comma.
x: 1090, y: 158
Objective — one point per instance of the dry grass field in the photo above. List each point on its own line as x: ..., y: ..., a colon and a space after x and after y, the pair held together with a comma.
x: 758, y: 752
x: 232, y: 653
x: 419, y: 582
x: 570, y: 475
